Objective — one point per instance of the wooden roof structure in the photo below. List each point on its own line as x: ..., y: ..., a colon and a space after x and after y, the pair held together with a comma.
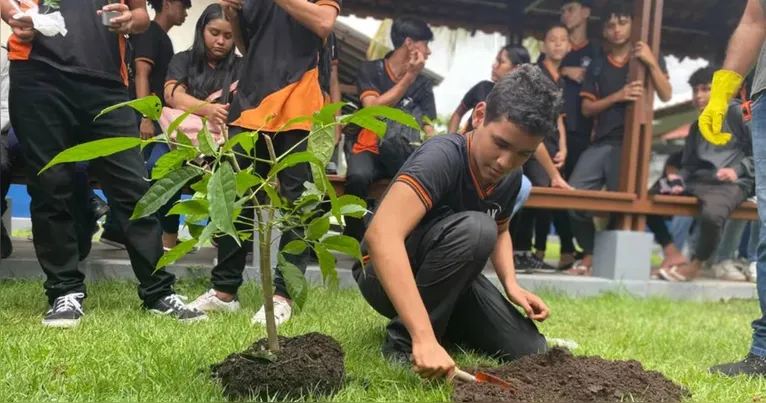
x: 690, y: 28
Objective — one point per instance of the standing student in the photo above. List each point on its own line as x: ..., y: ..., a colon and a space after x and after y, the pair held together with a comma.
x: 283, y: 43
x: 152, y: 51
x: 606, y: 94
x: 59, y: 85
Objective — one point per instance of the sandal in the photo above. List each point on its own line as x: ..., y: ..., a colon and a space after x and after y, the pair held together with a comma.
x: 673, y: 275
x: 579, y: 270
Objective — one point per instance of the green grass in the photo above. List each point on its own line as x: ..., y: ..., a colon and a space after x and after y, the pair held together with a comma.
x: 120, y: 353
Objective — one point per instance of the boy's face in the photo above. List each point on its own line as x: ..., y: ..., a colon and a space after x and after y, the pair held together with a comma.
x: 419, y: 46
x: 499, y: 147
x: 701, y: 96
x: 617, y: 30
x: 176, y: 10
x: 556, y: 44
x: 574, y: 14
x: 502, y: 65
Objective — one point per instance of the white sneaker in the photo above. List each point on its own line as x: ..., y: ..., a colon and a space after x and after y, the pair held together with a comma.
x: 728, y: 271
x: 282, y: 313
x: 209, y: 302
x: 751, y: 272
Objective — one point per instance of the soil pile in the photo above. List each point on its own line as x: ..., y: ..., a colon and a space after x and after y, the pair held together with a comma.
x: 309, y: 364
x: 558, y: 376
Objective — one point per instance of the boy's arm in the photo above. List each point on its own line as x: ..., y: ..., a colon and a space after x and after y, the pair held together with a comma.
x: 140, y: 21
x: 371, y: 97
x: 457, y: 116
x: 319, y: 17
x: 593, y: 103
x: 544, y: 158
x: 657, y: 70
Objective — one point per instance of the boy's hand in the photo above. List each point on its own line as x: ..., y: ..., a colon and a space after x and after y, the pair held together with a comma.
x: 727, y: 175
x: 560, y: 158
x: 23, y: 28
x: 231, y: 8
x: 124, y: 22
x: 576, y: 74
x: 726, y: 83
x: 431, y: 361
x: 676, y: 189
x: 146, y: 129
x: 643, y: 53
x: 530, y: 303
x: 416, y: 63
x: 631, y: 92
x: 559, y: 183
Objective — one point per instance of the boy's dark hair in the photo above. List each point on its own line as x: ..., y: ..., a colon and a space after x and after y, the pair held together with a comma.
x: 517, y: 54
x: 157, y: 4
x: 527, y: 98
x: 408, y: 27
x: 616, y: 8
x: 584, y: 3
x: 702, y: 76
x: 554, y: 26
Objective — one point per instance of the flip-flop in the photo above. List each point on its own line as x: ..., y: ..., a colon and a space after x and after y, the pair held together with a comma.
x: 578, y: 270
x: 673, y: 275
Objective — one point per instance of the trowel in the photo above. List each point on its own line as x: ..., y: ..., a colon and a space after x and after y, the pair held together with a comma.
x: 481, y: 377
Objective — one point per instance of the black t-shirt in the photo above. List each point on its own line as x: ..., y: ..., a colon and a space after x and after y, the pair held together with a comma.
x: 178, y: 72
x: 604, y: 77
x: 281, y: 65
x: 154, y: 47
x: 88, y: 48
x: 551, y: 141
x: 440, y: 174
x: 576, y: 123
x: 478, y: 93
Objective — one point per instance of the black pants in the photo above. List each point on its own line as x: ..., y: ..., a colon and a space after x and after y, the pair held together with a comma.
x: 531, y: 220
x: 50, y: 112
x: 598, y: 166
x: 227, y: 275
x: 716, y: 200
x: 464, y: 307
x: 364, y: 168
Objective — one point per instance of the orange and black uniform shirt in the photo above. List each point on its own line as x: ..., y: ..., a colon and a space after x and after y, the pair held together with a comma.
x: 551, y: 141
x: 376, y: 78
x: 88, y: 49
x: 154, y: 47
x: 576, y: 123
x: 279, y: 74
x: 178, y: 71
x: 478, y: 93
x: 604, y: 77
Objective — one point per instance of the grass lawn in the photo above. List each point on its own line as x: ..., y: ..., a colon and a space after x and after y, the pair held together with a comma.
x: 120, y: 353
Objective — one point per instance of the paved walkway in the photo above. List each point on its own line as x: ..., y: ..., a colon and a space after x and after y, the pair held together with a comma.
x: 107, y: 263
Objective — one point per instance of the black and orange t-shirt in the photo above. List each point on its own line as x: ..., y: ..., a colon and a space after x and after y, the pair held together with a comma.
x: 88, y: 48
x: 279, y: 75
x: 375, y: 78
x: 604, y: 77
x: 440, y: 173
x: 478, y: 93
x: 580, y: 56
x: 178, y: 72
x: 551, y: 141
x: 154, y: 47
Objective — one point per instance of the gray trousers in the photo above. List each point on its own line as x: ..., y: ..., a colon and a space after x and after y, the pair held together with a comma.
x: 598, y: 166
x: 465, y: 308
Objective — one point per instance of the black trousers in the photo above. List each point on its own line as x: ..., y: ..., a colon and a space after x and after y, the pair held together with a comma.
x: 51, y: 111
x: 716, y: 200
x: 531, y: 221
x: 464, y: 307
x: 598, y: 166
x: 364, y: 168
x: 227, y: 275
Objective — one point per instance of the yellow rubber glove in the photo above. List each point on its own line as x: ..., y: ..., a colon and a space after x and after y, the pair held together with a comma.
x: 726, y: 83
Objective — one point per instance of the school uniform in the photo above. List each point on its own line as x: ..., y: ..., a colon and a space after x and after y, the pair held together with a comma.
x: 477, y: 93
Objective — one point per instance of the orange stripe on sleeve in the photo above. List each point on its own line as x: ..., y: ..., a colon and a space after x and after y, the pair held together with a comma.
x: 145, y: 59
x: 503, y: 221
x: 418, y: 188
x: 588, y: 95
x: 368, y: 93
x: 330, y: 3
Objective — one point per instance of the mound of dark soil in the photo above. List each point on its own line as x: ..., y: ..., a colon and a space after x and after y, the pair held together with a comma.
x: 558, y: 376
x: 309, y: 364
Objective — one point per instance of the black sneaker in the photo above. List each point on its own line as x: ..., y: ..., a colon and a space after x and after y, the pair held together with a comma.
x: 113, y: 239
x: 66, y: 311
x: 98, y: 207
x: 172, y: 305
x: 751, y: 365
x: 529, y: 263
x: 395, y: 356
x: 6, y: 246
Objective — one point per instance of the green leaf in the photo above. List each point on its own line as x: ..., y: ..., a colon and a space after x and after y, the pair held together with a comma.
x: 207, y: 234
x: 321, y: 144
x: 294, y: 121
x: 245, y: 140
x: 176, y: 253
x: 183, y: 139
x: 388, y: 112
x: 168, y: 163
x: 311, y: 189
x: 206, y: 144
x: 352, y: 206
x: 222, y: 191
x: 195, y: 230
x: 163, y: 190
x: 190, y: 207
x: 317, y: 228
x: 201, y: 185
x: 295, y: 159
x: 149, y: 106
x: 177, y: 122
x: 297, y: 285
x: 295, y: 247
x: 327, y: 114
x: 343, y: 244
x: 92, y: 150
x: 370, y: 123
x: 246, y: 180
x: 276, y: 201
x: 327, y: 266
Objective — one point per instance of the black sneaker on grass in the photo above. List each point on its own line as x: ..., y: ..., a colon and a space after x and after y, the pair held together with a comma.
x: 66, y: 311
x: 751, y: 365
x: 173, y: 305
x: 529, y: 263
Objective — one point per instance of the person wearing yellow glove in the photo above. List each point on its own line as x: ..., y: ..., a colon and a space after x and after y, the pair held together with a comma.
x: 745, y: 46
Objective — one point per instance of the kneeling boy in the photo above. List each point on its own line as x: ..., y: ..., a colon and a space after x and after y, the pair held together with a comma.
x: 444, y: 216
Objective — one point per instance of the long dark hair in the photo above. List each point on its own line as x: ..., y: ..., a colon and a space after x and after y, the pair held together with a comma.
x: 517, y: 54
x: 225, y: 71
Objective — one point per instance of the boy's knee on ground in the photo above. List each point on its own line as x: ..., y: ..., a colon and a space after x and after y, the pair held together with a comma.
x: 476, y: 229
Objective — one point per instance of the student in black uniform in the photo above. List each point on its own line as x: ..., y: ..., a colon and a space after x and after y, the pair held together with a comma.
x: 443, y: 217
x: 555, y: 46
x: 508, y: 58
x: 58, y: 86
x: 152, y: 51
x: 279, y: 76
x: 395, y: 81
x: 606, y: 94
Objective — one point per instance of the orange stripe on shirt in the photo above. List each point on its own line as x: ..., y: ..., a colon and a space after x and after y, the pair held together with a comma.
x: 145, y: 59
x: 330, y: 3
x: 418, y: 188
x: 588, y: 95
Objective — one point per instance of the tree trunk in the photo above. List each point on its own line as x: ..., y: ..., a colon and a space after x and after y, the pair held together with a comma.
x: 266, y: 280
